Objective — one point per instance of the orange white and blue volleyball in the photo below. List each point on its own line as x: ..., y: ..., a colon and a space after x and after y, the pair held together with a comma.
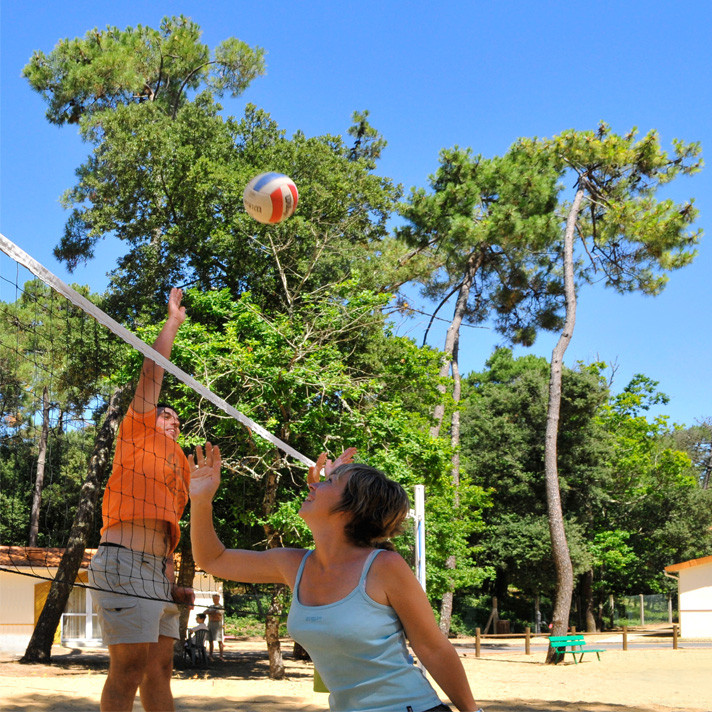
x: 270, y: 197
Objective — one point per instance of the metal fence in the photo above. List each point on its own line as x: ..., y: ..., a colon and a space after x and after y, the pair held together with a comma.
x: 644, y: 610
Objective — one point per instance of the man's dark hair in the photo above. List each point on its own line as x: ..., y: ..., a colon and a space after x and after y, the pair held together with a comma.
x: 160, y: 407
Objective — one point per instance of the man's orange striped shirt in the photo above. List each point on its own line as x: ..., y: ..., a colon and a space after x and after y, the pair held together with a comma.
x: 150, y: 476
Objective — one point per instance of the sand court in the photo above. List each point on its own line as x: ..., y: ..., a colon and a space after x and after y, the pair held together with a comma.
x: 657, y: 680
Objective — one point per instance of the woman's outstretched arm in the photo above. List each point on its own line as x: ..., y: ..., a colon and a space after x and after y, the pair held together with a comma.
x: 210, y: 554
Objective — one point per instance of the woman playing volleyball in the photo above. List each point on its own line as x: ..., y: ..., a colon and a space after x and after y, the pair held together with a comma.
x: 354, y: 603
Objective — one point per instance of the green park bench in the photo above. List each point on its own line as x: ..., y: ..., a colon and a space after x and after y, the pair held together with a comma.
x: 574, y: 644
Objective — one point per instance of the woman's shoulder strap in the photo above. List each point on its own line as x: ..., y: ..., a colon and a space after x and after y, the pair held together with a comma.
x: 300, y: 570
x: 367, y: 565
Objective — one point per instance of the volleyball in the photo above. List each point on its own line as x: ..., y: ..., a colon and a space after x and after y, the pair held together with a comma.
x: 270, y: 197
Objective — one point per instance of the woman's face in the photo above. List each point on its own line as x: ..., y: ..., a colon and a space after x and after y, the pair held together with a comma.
x: 324, y: 496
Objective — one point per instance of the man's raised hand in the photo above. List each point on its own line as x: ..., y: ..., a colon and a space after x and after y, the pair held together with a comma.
x: 175, y: 310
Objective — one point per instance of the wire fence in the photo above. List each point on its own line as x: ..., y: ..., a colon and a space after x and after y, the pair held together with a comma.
x: 659, y: 637
x: 643, y: 610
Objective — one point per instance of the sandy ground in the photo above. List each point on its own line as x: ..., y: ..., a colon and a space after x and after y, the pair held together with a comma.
x: 637, y: 680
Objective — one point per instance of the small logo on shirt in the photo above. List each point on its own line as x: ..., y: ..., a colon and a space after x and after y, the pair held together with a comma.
x: 312, y: 619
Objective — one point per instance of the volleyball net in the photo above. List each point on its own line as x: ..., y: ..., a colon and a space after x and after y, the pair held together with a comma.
x: 62, y: 363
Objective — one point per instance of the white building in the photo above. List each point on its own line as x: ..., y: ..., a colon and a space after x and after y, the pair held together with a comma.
x: 26, y: 574
x: 695, y: 596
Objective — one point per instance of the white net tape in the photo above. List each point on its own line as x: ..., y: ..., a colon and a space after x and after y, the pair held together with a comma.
x: 20, y: 256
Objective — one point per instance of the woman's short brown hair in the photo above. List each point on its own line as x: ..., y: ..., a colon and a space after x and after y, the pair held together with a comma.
x: 378, y: 505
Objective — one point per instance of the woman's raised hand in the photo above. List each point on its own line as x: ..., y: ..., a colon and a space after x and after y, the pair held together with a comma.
x: 204, y: 472
x: 323, y: 463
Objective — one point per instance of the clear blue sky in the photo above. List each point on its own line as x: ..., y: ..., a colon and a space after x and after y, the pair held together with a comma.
x: 432, y: 75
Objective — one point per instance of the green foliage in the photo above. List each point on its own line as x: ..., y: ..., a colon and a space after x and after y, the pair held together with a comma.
x: 449, y: 532
x: 632, y: 238
x: 82, y: 79
x: 249, y: 627
x: 495, y: 220
x: 167, y: 172
x: 504, y: 420
x: 65, y: 468
x: 613, y: 559
x: 60, y: 497
x: 653, y: 493
x: 696, y: 441
x: 631, y: 500
x: 15, y: 492
x: 46, y: 343
x: 505, y: 416
x: 171, y: 188
x: 288, y: 323
x: 325, y: 377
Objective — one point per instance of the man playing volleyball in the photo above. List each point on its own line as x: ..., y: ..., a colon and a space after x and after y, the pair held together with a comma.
x: 133, y: 567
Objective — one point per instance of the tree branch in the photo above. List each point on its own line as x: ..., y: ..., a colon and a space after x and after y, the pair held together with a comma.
x: 432, y: 316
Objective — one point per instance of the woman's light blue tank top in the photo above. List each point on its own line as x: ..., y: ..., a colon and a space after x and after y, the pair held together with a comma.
x: 359, y: 648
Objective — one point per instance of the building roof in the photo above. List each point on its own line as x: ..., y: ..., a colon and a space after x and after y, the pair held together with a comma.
x: 37, y: 556
x: 688, y: 564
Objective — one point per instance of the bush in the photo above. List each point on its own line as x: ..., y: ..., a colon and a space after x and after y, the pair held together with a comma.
x: 249, y: 627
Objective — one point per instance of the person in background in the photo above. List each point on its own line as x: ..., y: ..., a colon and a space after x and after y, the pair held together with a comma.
x: 215, y: 613
x: 193, y: 642
x: 200, y: 625
x: 355, y: 601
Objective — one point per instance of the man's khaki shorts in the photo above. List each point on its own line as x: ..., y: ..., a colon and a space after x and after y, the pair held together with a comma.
x: 216, y: 631
x: 132, y: 595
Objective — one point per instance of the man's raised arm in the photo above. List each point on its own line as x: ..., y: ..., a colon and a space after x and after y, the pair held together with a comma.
x: 148, y: 390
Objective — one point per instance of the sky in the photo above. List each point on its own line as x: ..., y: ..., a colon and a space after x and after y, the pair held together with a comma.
x: 432, y: 75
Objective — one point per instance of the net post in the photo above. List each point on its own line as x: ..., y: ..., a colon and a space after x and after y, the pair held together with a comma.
x: 419, y: 516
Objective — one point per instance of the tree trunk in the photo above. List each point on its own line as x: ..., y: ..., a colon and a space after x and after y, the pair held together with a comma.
x: 39, y: 476
x: 39, y: 649
x: 587, y: 595
x: 452, y: 341
x: 452, y: 337
x: 446, y: 604
x: 611, y: 611
x: 185, y: 578
x: 707, y: 471
x: 559, y: 545
x: 447, y: 600
x: 537, y: 614
x: 300, y: 653
x: 274, y: 650
x: 493, y: 617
